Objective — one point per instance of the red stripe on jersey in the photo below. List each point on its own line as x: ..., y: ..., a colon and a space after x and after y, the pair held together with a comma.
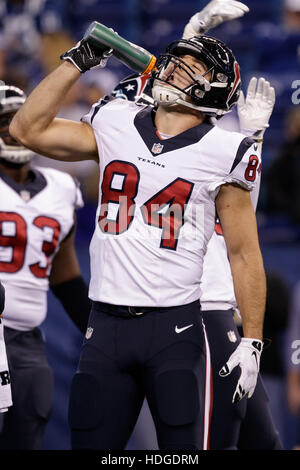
x: 144, y: 79
x: 158, y: 135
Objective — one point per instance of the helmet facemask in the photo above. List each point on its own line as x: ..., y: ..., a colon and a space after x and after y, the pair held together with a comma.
x: 168, y: 94
x: 11, y: 99
x: 214, y: 97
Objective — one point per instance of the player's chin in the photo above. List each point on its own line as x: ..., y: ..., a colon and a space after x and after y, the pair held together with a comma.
x: 183, y: 109
x: 175, y: 107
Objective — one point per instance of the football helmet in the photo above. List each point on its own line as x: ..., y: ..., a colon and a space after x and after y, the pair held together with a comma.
x: 11, y: 99
x: 215, y: 97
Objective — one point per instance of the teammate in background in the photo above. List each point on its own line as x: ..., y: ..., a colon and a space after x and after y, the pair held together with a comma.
x: 163, y: 175
x: 247, y: 424
x: 36, y: 248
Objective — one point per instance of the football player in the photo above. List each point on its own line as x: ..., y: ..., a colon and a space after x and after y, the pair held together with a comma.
x: 247, y: 424
x: 164, y: 173
x: 37, y: 209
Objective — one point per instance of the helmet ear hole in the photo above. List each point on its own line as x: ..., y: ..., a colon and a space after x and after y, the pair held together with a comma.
x: 199, y: 93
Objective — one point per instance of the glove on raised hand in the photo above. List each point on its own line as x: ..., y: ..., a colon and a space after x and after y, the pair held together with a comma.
x: 255, y: 111
x: 215, y: 13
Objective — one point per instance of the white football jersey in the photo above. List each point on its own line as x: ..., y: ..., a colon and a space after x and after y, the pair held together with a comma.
x: 34, y: 218
x: 156, y: 210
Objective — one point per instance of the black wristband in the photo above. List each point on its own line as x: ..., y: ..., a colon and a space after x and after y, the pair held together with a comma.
x: 73, y: 295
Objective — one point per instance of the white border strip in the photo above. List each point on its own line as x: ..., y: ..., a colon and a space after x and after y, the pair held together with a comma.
x: 208, y: 391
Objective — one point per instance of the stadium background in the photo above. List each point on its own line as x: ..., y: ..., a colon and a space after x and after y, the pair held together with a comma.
x: 266, y: 43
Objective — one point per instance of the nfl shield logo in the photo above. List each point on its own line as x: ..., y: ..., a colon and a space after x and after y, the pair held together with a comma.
x: 231, y: 336
x: 157, y: 148
x: 89, y: 332
x: 25, y: 195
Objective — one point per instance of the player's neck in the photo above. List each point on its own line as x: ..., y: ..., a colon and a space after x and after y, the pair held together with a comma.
x: 19, y: 175
x: 174, y: 121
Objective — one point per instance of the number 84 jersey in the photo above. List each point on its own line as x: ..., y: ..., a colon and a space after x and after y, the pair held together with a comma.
x: 156, y: 209
x: 34, y: 218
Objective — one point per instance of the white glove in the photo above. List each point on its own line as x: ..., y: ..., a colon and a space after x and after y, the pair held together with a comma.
x: 215, y: 13
x: 255, y: 111
x: 247, y: 356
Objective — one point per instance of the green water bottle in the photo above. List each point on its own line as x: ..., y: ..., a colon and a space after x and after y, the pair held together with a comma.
x: 135, y: 57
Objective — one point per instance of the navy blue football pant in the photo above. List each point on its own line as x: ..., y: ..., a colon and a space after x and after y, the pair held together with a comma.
x: 22, y: 426
x: 244, y: 425
x: 160, y: 354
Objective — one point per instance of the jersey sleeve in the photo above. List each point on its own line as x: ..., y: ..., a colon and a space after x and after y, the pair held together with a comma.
x: 245, y: 167
x: 90, y: 116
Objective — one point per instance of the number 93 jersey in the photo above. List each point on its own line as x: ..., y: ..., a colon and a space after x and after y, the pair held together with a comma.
x: 34, y: 218
x: 156, y: 210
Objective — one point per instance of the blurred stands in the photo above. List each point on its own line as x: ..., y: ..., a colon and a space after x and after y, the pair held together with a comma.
x: 33, y: 33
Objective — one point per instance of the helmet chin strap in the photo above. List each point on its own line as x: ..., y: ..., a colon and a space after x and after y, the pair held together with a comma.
x: 167, y: 96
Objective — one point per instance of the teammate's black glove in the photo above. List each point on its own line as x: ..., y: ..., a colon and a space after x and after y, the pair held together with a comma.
x: 85, y: 57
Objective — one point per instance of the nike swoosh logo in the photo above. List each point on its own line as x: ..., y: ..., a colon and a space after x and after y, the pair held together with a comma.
x: 180, y: 330
x: 254, y: 354
x: 255, y: 147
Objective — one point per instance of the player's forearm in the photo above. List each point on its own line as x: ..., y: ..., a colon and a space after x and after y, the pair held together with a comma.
x: 250, y: 291
x: 42, y: 105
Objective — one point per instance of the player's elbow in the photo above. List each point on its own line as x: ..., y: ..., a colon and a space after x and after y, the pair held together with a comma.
x: 14, y: 129
x: 22, y: 133
x: 17, y: 130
